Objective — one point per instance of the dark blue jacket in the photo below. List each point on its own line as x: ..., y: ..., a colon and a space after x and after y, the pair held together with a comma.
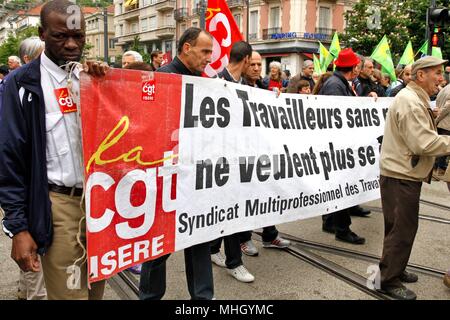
x: 336, y: 85
x: 176, y: 66
x: 23, y: 164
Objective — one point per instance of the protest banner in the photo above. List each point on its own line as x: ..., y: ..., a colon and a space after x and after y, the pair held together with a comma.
x: 204, y: 158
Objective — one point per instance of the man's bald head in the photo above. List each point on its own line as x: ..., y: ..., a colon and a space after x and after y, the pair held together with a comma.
x: 63, y: 31
x: 64, y: 7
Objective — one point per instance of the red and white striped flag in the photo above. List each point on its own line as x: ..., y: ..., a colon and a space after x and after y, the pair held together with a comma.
x: 222, y: 26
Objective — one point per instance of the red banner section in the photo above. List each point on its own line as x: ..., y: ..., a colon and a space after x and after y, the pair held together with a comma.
x: 221, y: 24
x: 126, y: 223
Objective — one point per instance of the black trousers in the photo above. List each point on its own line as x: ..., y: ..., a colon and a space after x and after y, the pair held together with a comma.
x: 269, y: 234
x: 400, y: 202
x: 199, y: 275
x: 232, y: 250
x: 339, y: 221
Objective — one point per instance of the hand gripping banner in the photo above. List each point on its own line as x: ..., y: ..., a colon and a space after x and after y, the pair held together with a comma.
x: 172, y: 161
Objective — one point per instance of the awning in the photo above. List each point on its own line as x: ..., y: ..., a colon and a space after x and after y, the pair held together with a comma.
x: 129, y: 3
x: 269, y: 55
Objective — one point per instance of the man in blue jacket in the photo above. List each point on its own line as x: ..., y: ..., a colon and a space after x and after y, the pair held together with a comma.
x: 41, y: 173
x: 347, y: 69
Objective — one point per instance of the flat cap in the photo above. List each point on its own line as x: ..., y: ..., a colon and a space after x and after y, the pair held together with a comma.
x: 426, y: 62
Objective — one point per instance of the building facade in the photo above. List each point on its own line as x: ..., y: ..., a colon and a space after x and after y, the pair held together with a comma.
x: 95, y: 35
x: 287, y: 31
x: 283, y: 30
x: 149, y: 22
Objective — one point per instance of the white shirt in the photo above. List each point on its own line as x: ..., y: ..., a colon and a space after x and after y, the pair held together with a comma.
x: 63, y: 131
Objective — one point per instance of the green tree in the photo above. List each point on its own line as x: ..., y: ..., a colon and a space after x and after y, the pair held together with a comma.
x: 11, y: 45
x: 95, y: 3
x: 137, y: 46
x: 400, y: 20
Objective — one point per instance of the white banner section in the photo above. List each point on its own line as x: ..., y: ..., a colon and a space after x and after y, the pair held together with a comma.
x: 249, y: 159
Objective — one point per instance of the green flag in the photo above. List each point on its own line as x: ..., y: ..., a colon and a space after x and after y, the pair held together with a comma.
x: 382, y: 55
x: 317, y: 67
x: 335, y: 47
x: 408, y: 55
x: 325, y: 57
x: 424, y: 48
x: 435, y: 51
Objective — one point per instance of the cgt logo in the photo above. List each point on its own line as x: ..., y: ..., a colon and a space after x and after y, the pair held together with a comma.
x: 148, y: 90
x: 65, y: 101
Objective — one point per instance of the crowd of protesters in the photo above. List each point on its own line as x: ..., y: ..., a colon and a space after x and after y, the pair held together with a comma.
x: 41, y: 188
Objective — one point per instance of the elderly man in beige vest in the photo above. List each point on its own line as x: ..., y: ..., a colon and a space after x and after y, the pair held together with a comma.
x: 410, y: 145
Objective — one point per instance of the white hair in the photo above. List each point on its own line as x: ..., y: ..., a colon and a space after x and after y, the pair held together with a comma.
x: 31, y: 47
x: 15, y: 58
x: 275, y: 64
x: 137, y: 56
x: 307, y: 64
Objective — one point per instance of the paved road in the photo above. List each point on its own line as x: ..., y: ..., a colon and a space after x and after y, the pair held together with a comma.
x: 279, y: 275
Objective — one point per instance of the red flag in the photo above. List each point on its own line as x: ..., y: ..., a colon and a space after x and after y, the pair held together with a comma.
x: 167, y: 58
x: 221, y: 24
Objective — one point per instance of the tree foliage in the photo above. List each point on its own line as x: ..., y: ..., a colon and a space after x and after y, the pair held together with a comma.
x: 138, y: 47
x: 400, y: 20
x: 95, y: 3
x: 10, y: 47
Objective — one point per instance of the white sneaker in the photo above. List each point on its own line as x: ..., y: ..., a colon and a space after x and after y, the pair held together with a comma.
x: 219, y: 259
x: 277, y: 243
x: 241, y: 274
x: 249, y: 248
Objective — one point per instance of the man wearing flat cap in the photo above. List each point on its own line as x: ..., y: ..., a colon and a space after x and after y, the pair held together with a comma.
x: 408, y: 152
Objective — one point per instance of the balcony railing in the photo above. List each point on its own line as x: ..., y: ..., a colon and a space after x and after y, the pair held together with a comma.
x: 129, y: 14
x: 235, y: 3
x: 196, y: 9
x: 275, y: 34
x: 267, y: 33
x: 326, y: 31
x: 164, y: 5
x: 166, y: 32
x: 181, y: 14
x: 252, y: 36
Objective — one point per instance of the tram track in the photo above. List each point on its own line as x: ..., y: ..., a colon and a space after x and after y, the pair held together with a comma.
x: 435, y: 204
x: 348, y: 276
x: 125, y: 285
x: 358, y: 255
x: 421, y: 216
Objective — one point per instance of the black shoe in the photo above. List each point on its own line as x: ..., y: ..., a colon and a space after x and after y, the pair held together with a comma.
x: 408, y: 277
x: 400, y: 293
x: 359, y: 211
x: 328, y: 229
x: 350, y: 237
